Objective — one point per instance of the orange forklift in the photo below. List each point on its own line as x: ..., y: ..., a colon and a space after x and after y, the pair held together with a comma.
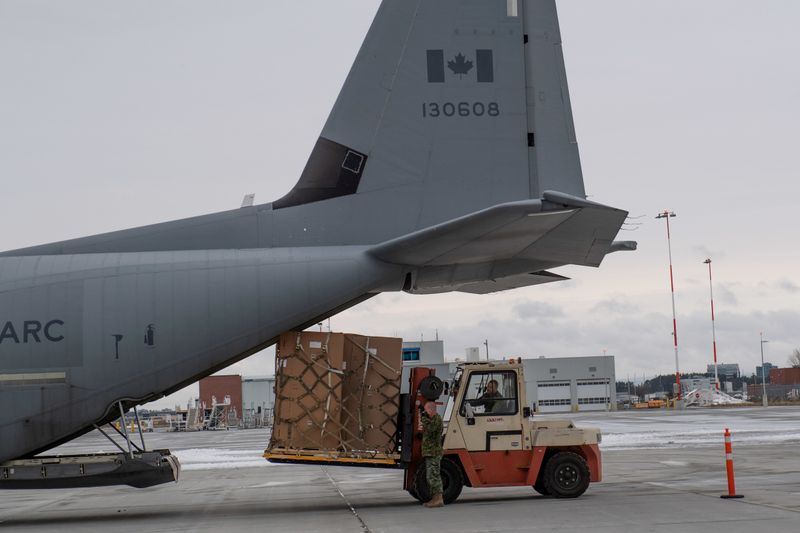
x: 489, y: 440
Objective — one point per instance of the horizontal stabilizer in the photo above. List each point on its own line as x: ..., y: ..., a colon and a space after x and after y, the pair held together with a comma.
x: 517, y: 230
x: 500, y: 232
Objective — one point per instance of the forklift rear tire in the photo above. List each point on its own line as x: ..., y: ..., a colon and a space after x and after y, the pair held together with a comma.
x: 540, y: 488
x: 452, y: 482
x: 566, y: 475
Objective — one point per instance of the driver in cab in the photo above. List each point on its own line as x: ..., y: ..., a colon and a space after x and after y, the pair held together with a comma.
x: 489, y: 398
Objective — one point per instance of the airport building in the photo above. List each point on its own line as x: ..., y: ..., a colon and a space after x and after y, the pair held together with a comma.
x: 784, y: 376
x: 782, y: 384
x: 690, y: 384
x: 216, y: 390
x: 423, y: 353
x: 258, y: 401
x: 767, y: 371
x: 251, y: 400
x: 625, y: 398
x: 725, y: 371
x: 571, y: 384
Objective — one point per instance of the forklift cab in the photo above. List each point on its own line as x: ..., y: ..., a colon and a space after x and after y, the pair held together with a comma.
x: 488, y: 409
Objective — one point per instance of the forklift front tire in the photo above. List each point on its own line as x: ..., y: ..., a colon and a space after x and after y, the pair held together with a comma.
x: 452, y: 482
x: 412, y: 491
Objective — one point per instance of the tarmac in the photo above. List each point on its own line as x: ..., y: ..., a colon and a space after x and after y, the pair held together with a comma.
x: 663, y: 472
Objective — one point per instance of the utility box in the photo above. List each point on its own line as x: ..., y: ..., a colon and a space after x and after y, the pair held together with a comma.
x: 473, y: 355
x: 336, y: 395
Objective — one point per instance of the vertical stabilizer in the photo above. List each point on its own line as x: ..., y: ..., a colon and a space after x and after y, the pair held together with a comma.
x: 452, y: 106
x: 432, y: 114
x: 553, y: 147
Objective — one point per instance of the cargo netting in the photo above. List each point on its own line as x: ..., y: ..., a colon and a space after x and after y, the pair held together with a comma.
x: 336, y: 395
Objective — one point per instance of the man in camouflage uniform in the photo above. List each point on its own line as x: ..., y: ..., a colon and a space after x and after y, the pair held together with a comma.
x: 432, y: 426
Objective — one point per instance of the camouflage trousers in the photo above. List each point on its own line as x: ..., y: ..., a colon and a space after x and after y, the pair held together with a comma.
x: 433, y: 473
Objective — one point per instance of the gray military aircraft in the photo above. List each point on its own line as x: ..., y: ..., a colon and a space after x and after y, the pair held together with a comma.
x: 448, y: 163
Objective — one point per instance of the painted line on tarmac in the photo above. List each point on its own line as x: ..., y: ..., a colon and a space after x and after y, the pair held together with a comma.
x: 350, y: 505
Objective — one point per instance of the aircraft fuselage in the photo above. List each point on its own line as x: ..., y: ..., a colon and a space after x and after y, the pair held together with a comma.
x: 81, y: 332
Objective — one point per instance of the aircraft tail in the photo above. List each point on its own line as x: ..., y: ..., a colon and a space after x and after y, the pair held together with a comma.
x: 451, y: 106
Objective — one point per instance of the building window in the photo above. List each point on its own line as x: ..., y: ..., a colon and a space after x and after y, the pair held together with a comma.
x: 593, y: 382
x: 552, y: 403
x: 592, y: 369
x: 552, y: 384
x: 554, y: 371
x: 593, y: 401
x: 410, y: 354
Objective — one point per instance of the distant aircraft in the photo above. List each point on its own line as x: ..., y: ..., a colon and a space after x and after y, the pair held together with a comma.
x: 449, y: 163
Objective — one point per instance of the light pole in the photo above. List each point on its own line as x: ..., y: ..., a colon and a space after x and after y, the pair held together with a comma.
x: 764, y: 400
x: 486, y: 343
x: 666, y: 215
x: 713, y: 327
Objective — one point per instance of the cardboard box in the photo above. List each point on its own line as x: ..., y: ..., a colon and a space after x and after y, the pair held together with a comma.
x: 337, y: 392
x: 309, y: 375
x: 371, y: 394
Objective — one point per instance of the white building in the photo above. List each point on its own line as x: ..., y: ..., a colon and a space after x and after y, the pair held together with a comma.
x: 428, y: 354
x: 423, y: 353
x: 690, y: 384
x: 625, y: 398
x: 571, y: 384
x: 258, y: 400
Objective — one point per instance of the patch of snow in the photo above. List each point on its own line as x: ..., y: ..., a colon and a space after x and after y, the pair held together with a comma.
x: 690, y: 428
x: 674, y: 463
x: 220, y: 459
x: 269, y: 484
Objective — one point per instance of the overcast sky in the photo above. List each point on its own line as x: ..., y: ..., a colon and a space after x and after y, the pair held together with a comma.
x: 117, y: 114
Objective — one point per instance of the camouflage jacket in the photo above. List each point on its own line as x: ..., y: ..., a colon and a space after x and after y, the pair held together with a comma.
x: 432, y: 428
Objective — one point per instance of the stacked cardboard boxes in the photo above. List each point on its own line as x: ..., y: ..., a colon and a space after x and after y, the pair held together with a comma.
x: 338, y: 393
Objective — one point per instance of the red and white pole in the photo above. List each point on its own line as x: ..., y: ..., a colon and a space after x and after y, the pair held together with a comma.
x: 667, y: 215
x: 729, y: 468
x: 713, y: 326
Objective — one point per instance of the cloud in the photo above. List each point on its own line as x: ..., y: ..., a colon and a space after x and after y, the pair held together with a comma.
x: 788, y: 286
x: 705, y: 251
x: 725, y: 295
x: 616, y: 306
x: 784, y: 285
x: 529, y: 310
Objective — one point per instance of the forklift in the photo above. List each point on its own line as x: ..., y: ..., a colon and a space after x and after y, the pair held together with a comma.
x: 490, y: 438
